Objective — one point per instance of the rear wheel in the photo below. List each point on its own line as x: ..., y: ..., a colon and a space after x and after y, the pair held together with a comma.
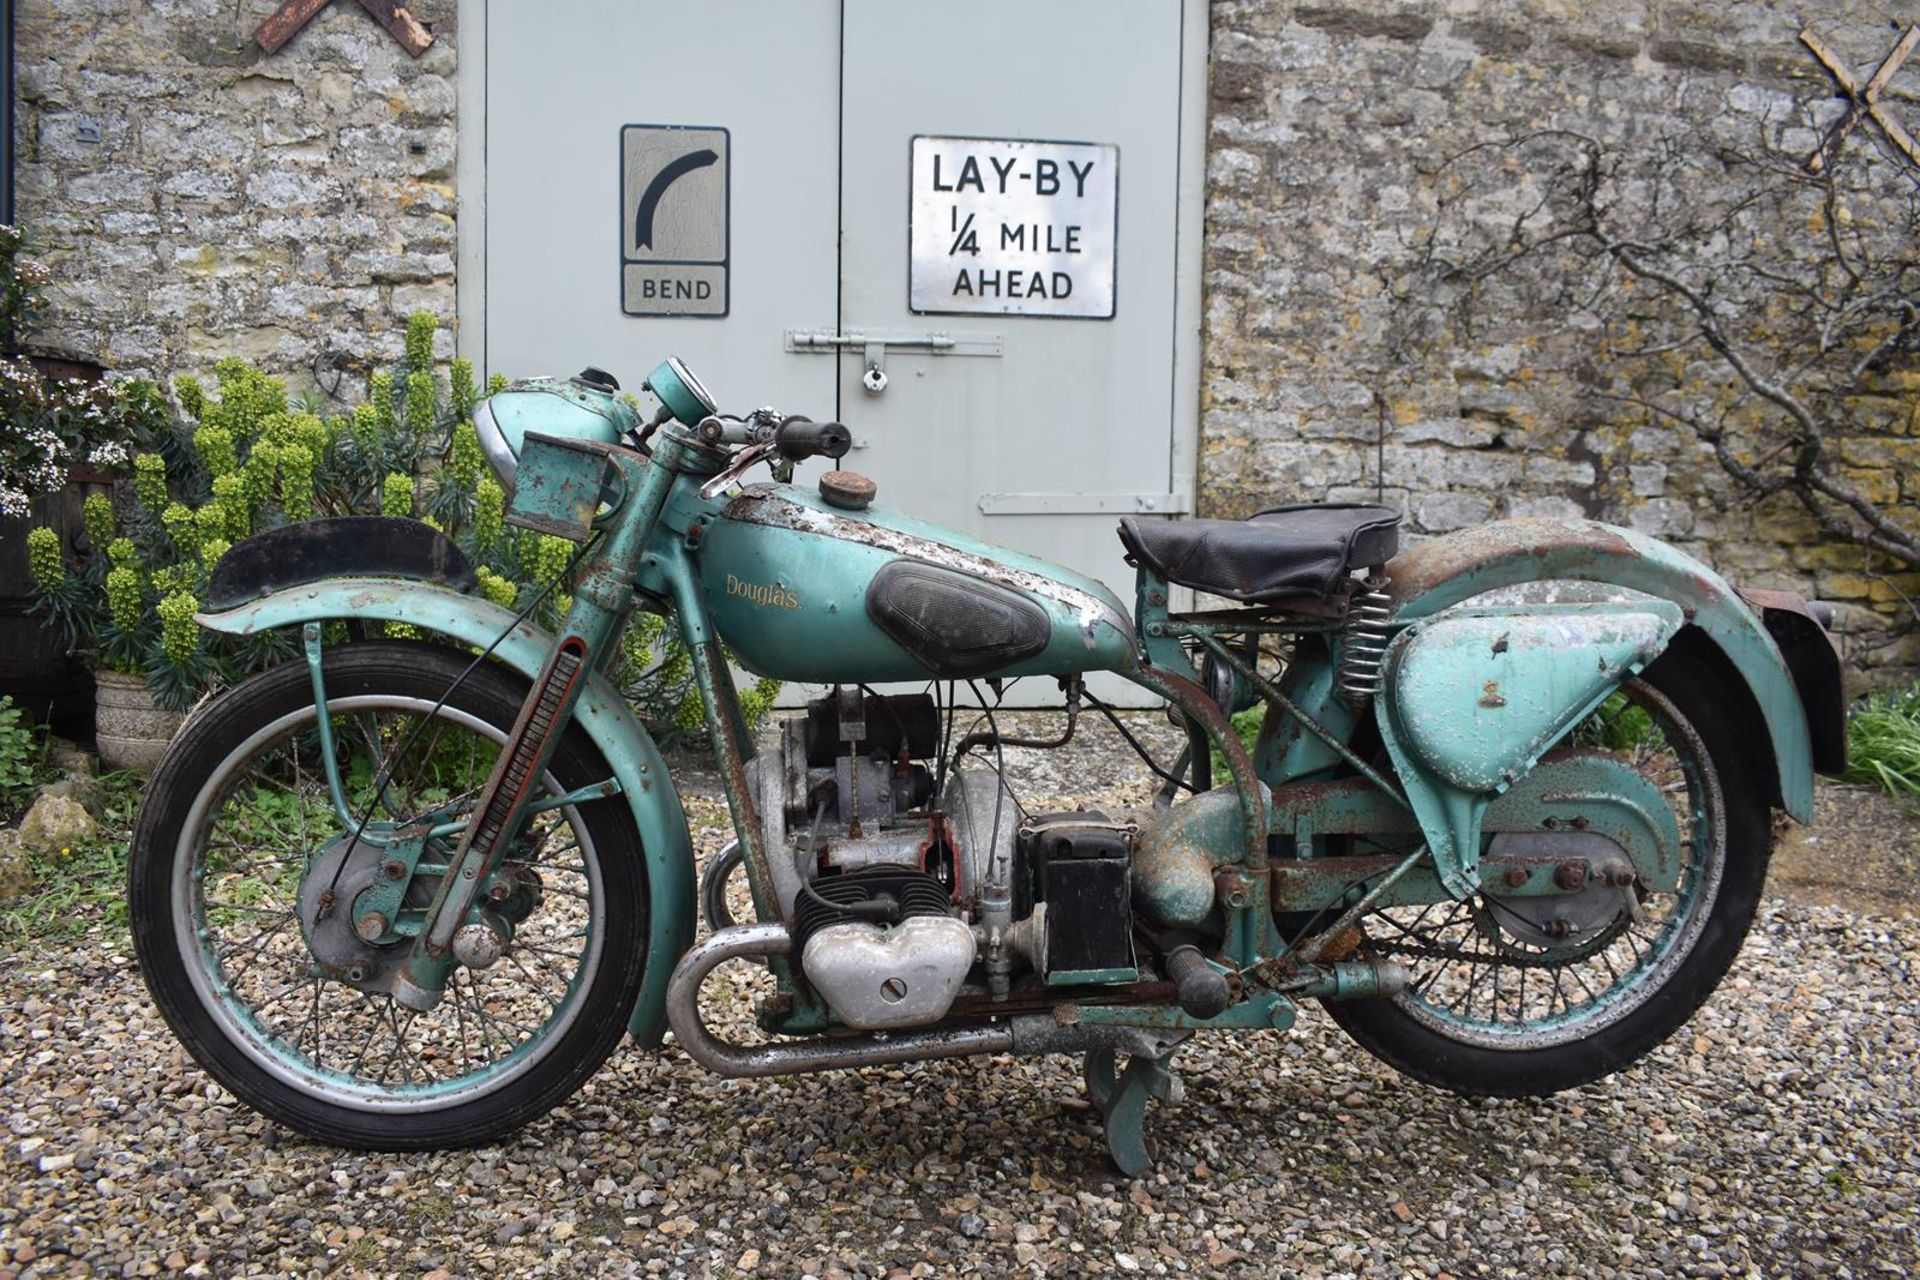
x: 274, y: 994
x: 1496, y: 1007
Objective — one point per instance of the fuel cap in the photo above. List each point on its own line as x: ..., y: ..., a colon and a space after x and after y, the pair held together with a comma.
x: 848, y: 489
x: 593, y: 377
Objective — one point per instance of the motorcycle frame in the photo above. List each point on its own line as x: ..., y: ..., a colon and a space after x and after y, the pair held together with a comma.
x: 644, y: 556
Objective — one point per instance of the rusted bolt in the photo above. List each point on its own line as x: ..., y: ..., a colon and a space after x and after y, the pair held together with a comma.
x: 1571, y: 875
x: 499, y: 891
x: 1232, y: 888
x: 1516, y: 876
x: 1558, y: 927
x: 356, y: 973
x: 1156, y: 597
x: 1551, y: 824
x: 1581, y: 824
x: 370, y: 926
x: 394, y: 869
x: 1623, y: 877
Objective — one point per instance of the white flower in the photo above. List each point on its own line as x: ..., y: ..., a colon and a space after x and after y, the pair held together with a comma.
x: 12, y: 502
x: 108, y: 455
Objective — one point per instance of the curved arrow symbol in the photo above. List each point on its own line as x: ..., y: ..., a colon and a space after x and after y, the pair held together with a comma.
x: 678, y: 169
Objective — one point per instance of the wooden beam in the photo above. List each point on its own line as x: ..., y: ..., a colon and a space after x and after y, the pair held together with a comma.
x: 1862, y: 101
x: 399, y: 20
x: 285, y: 21
x: 1892, y: 64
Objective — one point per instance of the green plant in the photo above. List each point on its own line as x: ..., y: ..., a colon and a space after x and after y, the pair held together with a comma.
x: 47, y: 428
x: 21, y: 756
x: 1247, y: 725
x: 246, y: 458
x: 1619, y: 725
x: 1883, y: 742
x: 80, y: 889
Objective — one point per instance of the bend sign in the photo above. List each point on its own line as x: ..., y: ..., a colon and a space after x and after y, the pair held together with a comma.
x: 674, y: 220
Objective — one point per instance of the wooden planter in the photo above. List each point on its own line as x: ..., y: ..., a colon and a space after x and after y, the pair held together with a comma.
x: 131, y: 730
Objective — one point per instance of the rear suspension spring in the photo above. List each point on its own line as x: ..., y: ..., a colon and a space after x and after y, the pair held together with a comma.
x: 1369, y: 627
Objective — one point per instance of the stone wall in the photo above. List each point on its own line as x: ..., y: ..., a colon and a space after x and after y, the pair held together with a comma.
x: 196, y: 198
x: 1326, y: 125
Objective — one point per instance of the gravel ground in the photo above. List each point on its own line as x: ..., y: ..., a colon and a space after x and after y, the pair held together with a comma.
x: 1774, y: 1136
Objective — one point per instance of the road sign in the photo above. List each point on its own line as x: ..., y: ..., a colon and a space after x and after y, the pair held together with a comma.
x: 1013, y: 228
x: 674, y: 220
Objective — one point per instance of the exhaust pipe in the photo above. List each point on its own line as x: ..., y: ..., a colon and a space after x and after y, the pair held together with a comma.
x: 1024, y: 1034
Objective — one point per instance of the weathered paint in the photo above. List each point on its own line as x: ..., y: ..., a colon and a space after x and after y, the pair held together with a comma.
x: 1439, y: 574
x: 786, y: 577
x: 1476, y: 697
x: 601, y: 712
x: 558, y: 486
x: 1473, y: 699
x: 1573, y: 790
x: 1175, y: 857
x: 559, y: 407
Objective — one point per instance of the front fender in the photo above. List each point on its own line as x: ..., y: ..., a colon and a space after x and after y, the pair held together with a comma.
x: 602, y: 712
x: 1439, y: 574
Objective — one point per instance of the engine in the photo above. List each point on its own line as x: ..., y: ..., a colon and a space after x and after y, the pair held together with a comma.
x: 900, y: 899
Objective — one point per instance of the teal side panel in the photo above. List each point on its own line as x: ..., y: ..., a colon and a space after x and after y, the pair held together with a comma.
x: 1439, y: 574
x: 602, y: 712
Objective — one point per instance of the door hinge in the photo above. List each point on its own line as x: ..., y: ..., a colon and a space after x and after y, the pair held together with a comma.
x: 1079, y: 504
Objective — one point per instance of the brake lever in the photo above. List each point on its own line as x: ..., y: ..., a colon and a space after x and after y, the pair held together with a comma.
x: 728, y: 479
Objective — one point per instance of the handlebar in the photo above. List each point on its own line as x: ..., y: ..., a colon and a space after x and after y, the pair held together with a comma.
x: 796, y: 438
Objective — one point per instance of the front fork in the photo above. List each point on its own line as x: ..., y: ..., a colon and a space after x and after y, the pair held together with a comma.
x: 603, y: 597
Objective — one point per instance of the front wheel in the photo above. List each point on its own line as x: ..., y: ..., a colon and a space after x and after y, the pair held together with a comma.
x: 1496, y: 1008
x: 239, y: 853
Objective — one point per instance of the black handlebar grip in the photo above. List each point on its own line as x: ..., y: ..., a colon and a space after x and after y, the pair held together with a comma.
x: 798, y: 439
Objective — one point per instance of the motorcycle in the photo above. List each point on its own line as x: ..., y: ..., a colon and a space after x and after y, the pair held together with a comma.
x: 1507, y: 815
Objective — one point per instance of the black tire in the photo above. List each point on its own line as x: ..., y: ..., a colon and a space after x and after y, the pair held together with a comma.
x: 605, y: 982
x: 1698, y: 689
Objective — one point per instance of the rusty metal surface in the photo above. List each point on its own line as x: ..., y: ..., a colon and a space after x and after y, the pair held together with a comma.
x: 1436, y: 575
x: 1175, y: 857
x: 1813, y: 658
x: 763, y: 505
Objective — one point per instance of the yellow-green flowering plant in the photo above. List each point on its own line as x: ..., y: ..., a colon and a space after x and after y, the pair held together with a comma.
x: 245, y: 457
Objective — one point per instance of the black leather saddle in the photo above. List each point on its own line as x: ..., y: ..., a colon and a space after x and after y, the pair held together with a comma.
x: 1305, y: 550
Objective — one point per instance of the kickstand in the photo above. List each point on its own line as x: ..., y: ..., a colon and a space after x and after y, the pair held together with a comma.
x: 1122, y: 1097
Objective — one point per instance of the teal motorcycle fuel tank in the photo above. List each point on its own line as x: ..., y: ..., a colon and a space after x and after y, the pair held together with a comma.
x: 804, y: 591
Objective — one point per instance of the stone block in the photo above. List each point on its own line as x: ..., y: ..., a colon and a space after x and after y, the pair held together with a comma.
x: 426, y: 99
x: 1444, y: 512
x: 1558, y: 508
x: 1661, y: 517
x: 54, y: 823
x: 16, y: 871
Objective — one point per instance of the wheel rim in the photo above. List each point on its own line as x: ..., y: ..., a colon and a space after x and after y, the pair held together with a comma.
x: 1497, y: 991
x: 237, y: 926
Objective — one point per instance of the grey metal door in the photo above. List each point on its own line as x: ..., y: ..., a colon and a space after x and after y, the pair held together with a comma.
x: 562, y: 82
x: 1045, y: 444
x: 1030, y: 418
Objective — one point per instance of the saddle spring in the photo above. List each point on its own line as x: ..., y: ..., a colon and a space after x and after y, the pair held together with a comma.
x: 1365, y: 646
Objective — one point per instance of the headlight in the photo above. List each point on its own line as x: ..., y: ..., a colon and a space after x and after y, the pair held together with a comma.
x: 493, y: 443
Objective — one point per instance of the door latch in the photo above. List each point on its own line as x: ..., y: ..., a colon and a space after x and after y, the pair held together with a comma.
x: 873, y: 343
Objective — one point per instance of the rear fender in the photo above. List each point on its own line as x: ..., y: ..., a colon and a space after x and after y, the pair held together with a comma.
x: 602, y: 713
x: 1439, y: 574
